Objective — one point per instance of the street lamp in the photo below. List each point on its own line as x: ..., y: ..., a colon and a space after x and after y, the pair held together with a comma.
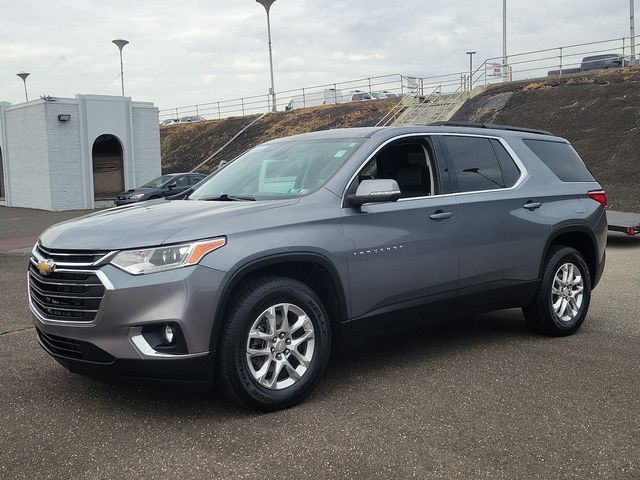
x: 267, y: 6
x: 632, y: 31
x: 120, y: 43
x: 504, y: 38
x: 471, y: 54
x: 23, y: 76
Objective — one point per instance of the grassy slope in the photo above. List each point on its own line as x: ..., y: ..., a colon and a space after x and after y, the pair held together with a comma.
x: 185, y: 146
x: 599, y: 113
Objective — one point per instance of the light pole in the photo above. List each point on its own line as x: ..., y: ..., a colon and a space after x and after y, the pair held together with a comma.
x: 471, y: 54
x: 504, y: 38
x: 23, y: 76
x: 267, y: 6
x: 632, y: 30
x: 120, y: 43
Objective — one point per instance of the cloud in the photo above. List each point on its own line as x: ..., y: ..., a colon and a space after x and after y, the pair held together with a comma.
x: 196, y: 51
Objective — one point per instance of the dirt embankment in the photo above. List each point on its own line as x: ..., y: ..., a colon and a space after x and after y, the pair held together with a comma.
x: 185, y: 146
x: 598, y: 113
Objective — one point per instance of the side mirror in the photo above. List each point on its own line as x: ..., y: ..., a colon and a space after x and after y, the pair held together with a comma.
x: 171, y: 186
x: 375, y: 191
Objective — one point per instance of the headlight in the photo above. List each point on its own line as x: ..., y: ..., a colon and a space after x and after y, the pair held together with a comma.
x: 157, y: 259
x: 136, y: 196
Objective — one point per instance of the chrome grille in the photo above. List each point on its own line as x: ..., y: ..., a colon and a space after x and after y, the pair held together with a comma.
x: 70, y: 256
x: 66, y: 296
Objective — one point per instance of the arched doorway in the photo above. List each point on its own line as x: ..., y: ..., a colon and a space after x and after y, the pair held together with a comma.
x: 108, y: 167
x: 2, y: 194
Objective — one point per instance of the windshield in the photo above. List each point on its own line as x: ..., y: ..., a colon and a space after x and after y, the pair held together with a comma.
x: 158, y: 182
x: 285, y: 169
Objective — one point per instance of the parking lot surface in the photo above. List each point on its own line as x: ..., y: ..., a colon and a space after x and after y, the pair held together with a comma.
x: 20, y: 227
x: 482, y: 398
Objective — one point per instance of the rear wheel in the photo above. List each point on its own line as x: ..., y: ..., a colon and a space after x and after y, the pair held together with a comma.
x: 275, y: 345
x: 564, y: 295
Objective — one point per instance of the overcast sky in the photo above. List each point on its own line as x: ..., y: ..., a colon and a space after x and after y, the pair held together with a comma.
x: 193, y: 51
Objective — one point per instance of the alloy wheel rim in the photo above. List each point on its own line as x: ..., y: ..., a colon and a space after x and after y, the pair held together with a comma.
x: 567, y: 292
x: 280, y: 346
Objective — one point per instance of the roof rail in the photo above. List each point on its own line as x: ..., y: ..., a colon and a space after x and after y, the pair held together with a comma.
x: 490, y: 126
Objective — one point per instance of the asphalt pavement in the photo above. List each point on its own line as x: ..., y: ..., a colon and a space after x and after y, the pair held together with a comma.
x: 20, y: 227
x: 482, y: 398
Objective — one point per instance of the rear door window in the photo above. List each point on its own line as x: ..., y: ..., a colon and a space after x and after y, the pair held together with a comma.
x: 473, y: 164
x: 562, y: 159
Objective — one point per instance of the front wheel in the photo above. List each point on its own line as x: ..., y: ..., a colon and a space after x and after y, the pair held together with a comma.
x: 275, y: 344
x: 564, y: 295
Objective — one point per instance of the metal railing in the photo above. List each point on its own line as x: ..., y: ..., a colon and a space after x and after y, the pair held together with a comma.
x: 557, y: 61
x: 520, y: 66
x: 331, y: 93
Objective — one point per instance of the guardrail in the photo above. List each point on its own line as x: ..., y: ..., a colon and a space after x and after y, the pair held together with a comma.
x: 519, y: 66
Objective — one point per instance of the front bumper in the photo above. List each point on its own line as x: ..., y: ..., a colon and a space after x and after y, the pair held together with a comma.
x: 186, y: 297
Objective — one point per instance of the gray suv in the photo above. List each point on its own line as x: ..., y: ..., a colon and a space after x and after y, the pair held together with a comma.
x: 310, y: 242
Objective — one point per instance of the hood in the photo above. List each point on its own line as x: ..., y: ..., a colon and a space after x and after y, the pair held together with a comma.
x: 151, y: 223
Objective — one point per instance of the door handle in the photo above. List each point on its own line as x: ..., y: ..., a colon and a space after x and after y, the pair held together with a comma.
x: 532, y: 205
x: 440, y: 215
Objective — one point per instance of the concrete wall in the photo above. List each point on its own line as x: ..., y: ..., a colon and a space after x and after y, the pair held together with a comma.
x: 146, y: 135
x: 27, y: 172
x: 63, y: 144
x: 48, y: 163
x: 3, y: 149
x: 100, y: 115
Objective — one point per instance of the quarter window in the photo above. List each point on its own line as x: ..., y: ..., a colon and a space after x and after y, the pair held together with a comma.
x: 474, y: 166
x: 562, y: 159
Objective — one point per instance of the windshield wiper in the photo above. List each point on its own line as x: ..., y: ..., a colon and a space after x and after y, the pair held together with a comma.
x: 225, y: 197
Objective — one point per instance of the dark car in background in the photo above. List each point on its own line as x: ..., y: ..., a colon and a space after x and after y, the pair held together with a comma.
x: 162, y: 186
x: 595, y: 62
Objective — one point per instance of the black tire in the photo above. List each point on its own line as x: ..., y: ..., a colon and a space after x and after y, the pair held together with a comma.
x: 247, y: 304
x: 541, y: 316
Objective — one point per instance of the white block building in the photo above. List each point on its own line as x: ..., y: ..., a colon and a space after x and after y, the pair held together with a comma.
x: 76, y: 153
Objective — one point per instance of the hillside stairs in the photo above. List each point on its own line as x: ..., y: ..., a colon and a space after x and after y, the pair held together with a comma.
x: 424, y: 109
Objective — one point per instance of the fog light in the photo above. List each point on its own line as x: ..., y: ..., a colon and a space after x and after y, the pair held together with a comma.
x: 168, y: 333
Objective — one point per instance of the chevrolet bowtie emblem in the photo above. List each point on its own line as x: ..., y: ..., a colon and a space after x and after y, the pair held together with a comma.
x: 45, y: 267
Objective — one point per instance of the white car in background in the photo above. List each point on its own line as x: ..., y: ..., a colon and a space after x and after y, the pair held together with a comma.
x: 191, y: 119
x: 357, y: 95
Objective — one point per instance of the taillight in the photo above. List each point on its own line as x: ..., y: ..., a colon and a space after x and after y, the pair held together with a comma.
x: 599, y: 196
